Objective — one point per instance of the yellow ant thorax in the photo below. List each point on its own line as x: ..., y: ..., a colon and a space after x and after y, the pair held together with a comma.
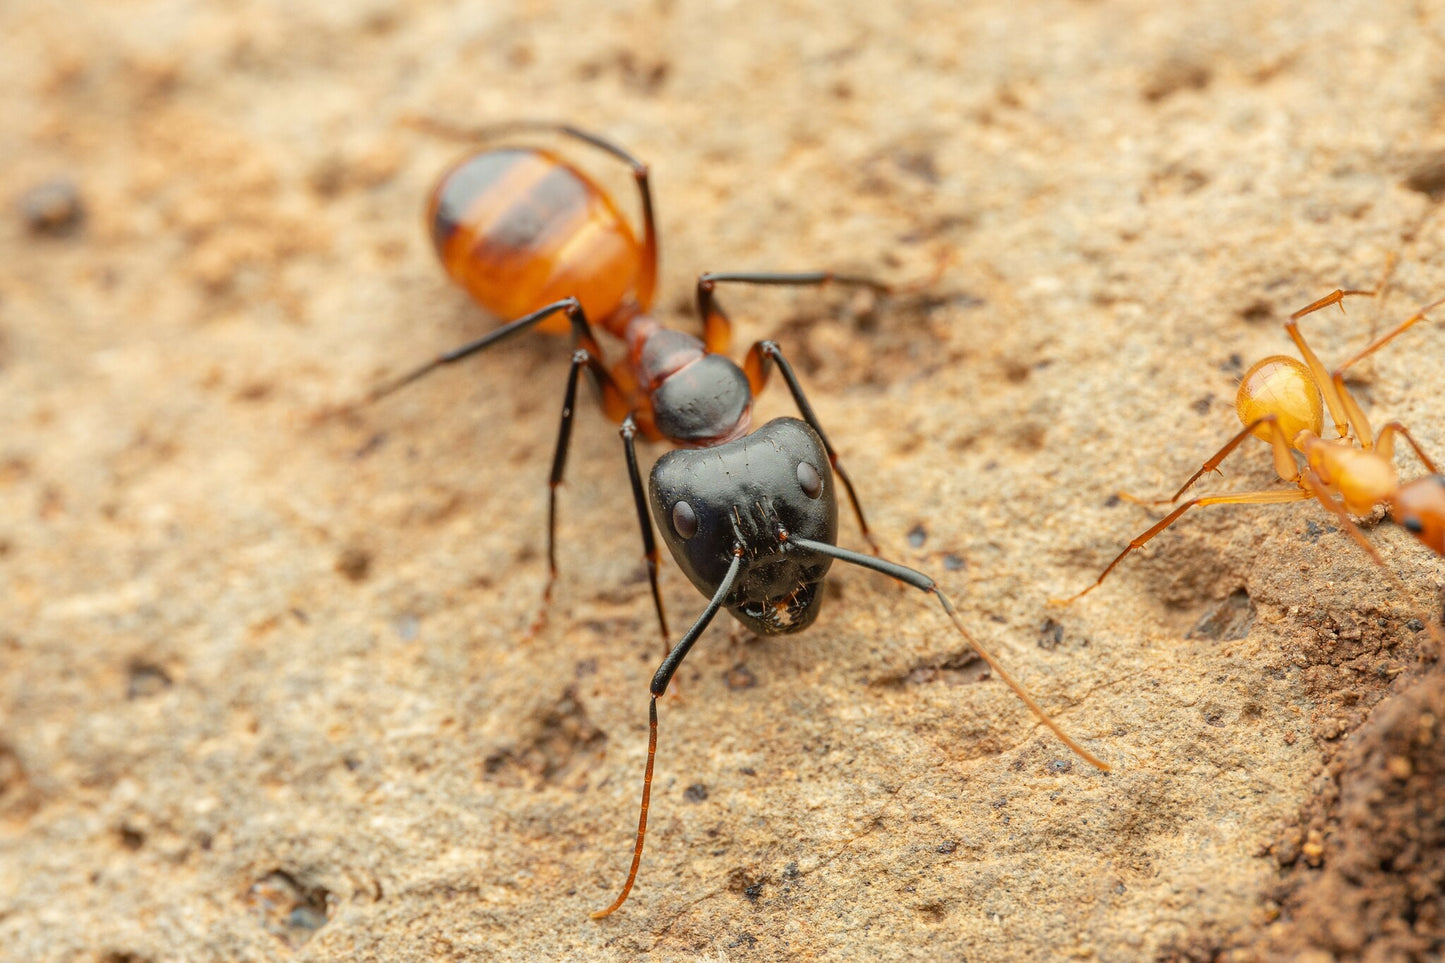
x: 1363, y: 478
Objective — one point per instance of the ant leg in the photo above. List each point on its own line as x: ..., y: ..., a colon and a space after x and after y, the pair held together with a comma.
x: 647, y: 278
x: 1390, y: 335
x: 765, y: 353
x: 656, y: 690
x: 1385, y: 445
x: 1283, y: 462
x: 611, y: 395
x: 1317, y: 369
x: 644, y: 519
x: 1317, y: 488
x: 920, y: 581
x: 1356, y: 415
x: 580, y: 358
x: 588, y: 354
x: 1268, y: 497
x: 717, y: 329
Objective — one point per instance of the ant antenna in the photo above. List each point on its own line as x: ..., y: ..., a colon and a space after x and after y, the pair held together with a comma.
x: 922, y: 582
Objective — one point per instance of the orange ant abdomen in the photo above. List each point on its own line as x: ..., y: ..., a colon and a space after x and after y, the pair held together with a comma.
x: 520, y: 228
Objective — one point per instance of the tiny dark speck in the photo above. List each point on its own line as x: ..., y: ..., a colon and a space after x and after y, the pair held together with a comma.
x: 53, y: 208
x: 917, y: 535
x: 1061, y: 765
x: 953, y: 563
x: 947, y: 847
x: 740, y: 677
x: 695, y: 793
x: 754, y: 891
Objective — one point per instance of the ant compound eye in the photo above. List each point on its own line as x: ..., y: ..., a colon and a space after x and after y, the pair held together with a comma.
x: 808, y: 479
x: 1413, y: 525
x: 684, y: 520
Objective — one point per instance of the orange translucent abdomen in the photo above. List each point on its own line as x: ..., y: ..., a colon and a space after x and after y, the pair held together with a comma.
x: 1280, y: 386
x: 519, y: 228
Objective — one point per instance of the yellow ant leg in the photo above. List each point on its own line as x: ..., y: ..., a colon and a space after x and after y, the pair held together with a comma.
x: 1359, y: 424
x: 1314, y: 486
x: 1390, y: 335
x: 1283, y: 461
x: 1269, y: 497
x: 1338, y: 412
x: 1385, y: 445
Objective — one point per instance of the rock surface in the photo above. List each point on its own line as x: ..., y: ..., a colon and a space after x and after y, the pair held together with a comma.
x: 264, y: 688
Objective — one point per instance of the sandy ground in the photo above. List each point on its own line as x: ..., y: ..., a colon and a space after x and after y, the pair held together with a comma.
x: 265, y: 692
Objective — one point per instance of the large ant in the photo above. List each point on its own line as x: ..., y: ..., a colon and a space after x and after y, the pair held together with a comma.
x: 1282, y: 402
x: 750, y: 518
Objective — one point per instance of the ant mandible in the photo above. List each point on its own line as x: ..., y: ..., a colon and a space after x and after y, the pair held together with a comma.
x: 1282, y: 402
x: 752, y: 519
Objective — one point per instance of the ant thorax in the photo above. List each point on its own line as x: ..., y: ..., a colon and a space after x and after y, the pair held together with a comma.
x: 1363, y: 478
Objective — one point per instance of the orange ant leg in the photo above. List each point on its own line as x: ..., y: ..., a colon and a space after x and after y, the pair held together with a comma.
x: 761, y: 356
x: 1317, y: 369
x: 1283, y: 462
x: 1315, y: 487
x: 647, y: 279
x: 1390, y: 335
x: 1356, y: 415
x: 1268, y: 497
x: 717, y: 329
x: 656, y: 690
x: 1385, y: 445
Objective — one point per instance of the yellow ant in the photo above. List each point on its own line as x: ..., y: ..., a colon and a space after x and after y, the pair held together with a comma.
x: 1281, y: 401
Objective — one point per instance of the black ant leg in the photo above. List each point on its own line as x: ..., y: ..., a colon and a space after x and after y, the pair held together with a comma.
x: 580, y: 328
x: 656, y: 690
x: 760, y: 357
x: 717, y: 329
x: 589, y: 354
x: 647, y: 279
x: 644, y: 519
x: 580, y: 358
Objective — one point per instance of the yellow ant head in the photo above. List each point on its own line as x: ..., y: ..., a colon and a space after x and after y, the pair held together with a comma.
x: 1280, y: 386
x: 1419, y: 508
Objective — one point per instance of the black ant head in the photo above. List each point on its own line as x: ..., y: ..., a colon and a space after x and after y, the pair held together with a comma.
x: 752, y: 493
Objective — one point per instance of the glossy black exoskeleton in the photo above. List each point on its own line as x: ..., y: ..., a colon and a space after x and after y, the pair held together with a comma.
x: 763, y: 484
